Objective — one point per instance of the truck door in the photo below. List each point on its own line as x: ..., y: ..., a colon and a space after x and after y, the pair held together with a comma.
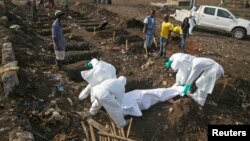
x: 206, y: 17
x: 224, y: 20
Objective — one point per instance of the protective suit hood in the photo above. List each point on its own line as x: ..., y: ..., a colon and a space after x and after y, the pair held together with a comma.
x: 123, y: 80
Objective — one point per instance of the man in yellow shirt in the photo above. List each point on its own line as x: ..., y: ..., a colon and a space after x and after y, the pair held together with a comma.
x: 166, y: 28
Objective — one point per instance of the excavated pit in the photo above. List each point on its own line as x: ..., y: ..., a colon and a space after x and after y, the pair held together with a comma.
x: 133, y: 84
x: 131, y: 38
x: 86, y: 21
x: 105, y: 34
x: 74, y: 70
x: 92, y: 24
x: 47, y: 32
x: 75, y: 56
x: 73, y: 37
x: 78, y: 46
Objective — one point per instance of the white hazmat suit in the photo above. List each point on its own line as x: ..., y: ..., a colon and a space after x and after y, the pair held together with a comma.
x: 192, y: 20
x: 204, y: 72
x: 101, y: 71
x: 181, y: 63
x: 109, y: 94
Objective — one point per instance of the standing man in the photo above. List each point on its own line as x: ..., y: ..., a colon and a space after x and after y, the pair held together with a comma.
x: 149, y: 31
x: 184, y: 34
x: 65, y: 4
x: 32, y: 4
x: 192, y: 21
x: 58, y: 38
x: 221, y: 3
x: 166, y: 28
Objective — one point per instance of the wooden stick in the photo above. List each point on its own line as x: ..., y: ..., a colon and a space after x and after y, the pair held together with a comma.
x: 223, y: 88
x: 92, y: 133
x: 126, y: 45
x: 85, y: 131
x: 114, y: 36
x: 97, y: 125
x: 123, y: 133
x: 94, y: 30
x: 114, y: 129
x: 115, y: 136
x: 119, y: 132
x: 146, y: 49
x: 129, y: 127
x: 3, y: 70
x: 112, y: 132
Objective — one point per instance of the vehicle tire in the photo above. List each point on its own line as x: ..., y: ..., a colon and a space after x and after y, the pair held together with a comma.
x: 239, y: 33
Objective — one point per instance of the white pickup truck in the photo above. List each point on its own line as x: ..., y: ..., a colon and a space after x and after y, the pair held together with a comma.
x: 217, y: 18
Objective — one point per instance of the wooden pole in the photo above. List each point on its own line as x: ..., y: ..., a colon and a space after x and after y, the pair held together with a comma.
x: 123, y: 133
x: 92, y: 133
x: 114, y: 129
x: 85, y: 131
x: 129, y: 127
x: 115, y: 136
x: 126, y: 45
x: 114, y: 36
x: 97, y: 125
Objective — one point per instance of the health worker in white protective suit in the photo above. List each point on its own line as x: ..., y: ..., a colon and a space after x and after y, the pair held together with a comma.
x: 100, y: 71
x: 104, y: 89
x: 204, y: 73
x: 180, y: 62
x: 109, y: 94
x: 192, y: 20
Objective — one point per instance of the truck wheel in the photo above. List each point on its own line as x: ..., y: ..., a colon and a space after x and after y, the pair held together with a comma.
x: 239, y: 33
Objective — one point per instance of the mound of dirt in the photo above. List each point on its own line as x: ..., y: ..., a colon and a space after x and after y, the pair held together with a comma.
x: 186, y: 121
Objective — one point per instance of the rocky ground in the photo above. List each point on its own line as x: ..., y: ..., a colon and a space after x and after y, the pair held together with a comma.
x: 34, y: 103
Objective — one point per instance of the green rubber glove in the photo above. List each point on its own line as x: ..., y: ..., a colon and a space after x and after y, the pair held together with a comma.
x: 89, y: 65
x: 168, y: 64
x: 186, y: 89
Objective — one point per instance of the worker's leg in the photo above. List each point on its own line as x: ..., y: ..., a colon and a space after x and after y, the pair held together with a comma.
x: 199, y: 97
x: 182, y: 43
x: 113, y: 108
x: 95, y: 107
x: 163, y: 42
x: 146, y: 43
x: 191, y: 29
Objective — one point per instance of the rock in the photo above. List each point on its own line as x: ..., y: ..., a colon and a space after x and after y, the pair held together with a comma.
x: 103, y: 43
x: 154, y: 84
x: 15, y: 26
x: 21, y: 136
x: 164, y: 83
x: 43, y: 50
x: 170, y: 109
x: 2, y: 106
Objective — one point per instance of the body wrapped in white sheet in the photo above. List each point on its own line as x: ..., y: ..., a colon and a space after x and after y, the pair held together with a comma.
x: 137, y: 100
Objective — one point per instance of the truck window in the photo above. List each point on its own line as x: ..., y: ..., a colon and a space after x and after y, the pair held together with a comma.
x: 209, y: 11
x: 223, y: 13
